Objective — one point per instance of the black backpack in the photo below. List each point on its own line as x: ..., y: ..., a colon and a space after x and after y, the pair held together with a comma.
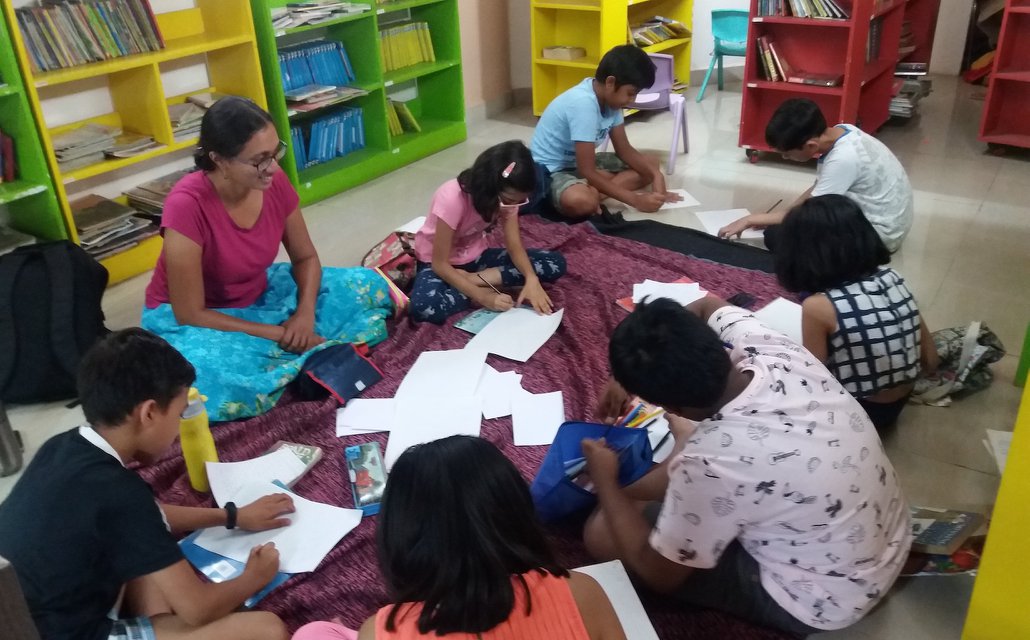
x: 50, y: 315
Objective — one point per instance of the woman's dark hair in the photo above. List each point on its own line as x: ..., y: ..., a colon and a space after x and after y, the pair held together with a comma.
x: 794, y: 123
x: 669, y: 356
x: 484, y: 180
x: 127, y: 368
x: 456, y: 526
x: 826, y: 242
x: 227, y: 127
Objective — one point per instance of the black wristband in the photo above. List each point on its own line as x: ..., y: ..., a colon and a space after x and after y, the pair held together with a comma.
x: 230, y: 515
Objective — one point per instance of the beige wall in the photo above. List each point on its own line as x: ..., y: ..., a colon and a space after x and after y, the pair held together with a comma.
x: 485, y: 58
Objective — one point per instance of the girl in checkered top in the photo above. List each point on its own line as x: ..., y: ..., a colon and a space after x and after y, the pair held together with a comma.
x: 860, y: 319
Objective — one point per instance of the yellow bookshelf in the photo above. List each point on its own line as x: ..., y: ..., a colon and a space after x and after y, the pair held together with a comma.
x: 216, y: 33
x: 596, y: 26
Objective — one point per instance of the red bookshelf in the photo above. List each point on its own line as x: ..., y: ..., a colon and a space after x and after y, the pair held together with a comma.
x: 1005, y: 119
x: 824, y: 46
x: 922, y: 15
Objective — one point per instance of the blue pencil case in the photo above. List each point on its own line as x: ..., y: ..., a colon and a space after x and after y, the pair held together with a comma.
x: 556, y: 495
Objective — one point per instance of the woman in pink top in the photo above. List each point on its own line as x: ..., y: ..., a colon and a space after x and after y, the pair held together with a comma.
x: 216, y: 293
x: 456, y: 267
x: 464, y: 556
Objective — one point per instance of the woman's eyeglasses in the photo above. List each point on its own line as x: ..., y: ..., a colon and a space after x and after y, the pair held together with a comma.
x: 264, y: 164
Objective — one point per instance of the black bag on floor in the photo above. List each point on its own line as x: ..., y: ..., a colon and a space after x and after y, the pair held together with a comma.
x: 50, y: 315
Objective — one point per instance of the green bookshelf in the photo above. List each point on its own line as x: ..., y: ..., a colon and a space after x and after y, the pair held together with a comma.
x: 30, y: 199
x: 432, y: 90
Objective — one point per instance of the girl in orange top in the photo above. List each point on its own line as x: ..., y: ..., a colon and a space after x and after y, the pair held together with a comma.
x: 464, y: 556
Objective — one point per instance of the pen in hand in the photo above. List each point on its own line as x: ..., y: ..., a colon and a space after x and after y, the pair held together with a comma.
x: 769, y: 210
x: 488, y: 284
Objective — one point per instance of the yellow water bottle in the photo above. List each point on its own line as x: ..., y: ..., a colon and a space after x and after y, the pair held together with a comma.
x: 198, y: 446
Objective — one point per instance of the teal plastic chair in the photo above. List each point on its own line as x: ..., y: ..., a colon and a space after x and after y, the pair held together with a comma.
x: 729, y: 26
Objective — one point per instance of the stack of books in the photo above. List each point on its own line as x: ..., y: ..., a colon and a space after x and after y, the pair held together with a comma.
x: 317, y: 96
x: 406, y: 45
x: 318, y: 62
x: 908, y: 93
x: 106, y: 227
x: 8, y: 161
x: 775, y: 68
x: 83, y: 145
x: 824, y: 9
x: 64, y: 34
x: 11, y: 239
x: 296, y: 14
x: 400, y: 119
x: 328, y: 137
x: 186, y: 117
x: 148, y: 199
x: 657, y: 29
x: 128, y: 145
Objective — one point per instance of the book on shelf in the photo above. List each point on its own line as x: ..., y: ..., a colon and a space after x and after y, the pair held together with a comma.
x: 815, y: 79
x: 328, y: 137
x: 317, y: 63
x: 297, y: 14
x: 8, y: 160
x: 407, y: 119
x: 406, y: 45
x: 66, y: 33
x: 128, y: 145
x: 323, y: 100
x: 942, y: 531
x: 657, y: 29
x: 107, y: 227
x: 393, y: 121
x: 205, y: 99
x: 185, y: 118
x: 818, y: 9
x: 83, y: 145
x: 872, y: 50
x: 766, y: 59
x: 148, y: 198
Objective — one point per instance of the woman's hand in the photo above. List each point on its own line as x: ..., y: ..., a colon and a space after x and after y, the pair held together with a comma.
x: 299, y: 332
x: 533, y: 293
x: 264, y: 513
x: 736, y: 227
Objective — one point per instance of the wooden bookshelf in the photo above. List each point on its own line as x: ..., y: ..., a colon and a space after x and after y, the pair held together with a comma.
x: 823, y: 46
x: 1005, y: 121
x: 30, y: 199
x: 597, y: 26
x: 438, y: 103
x: 216, y: 33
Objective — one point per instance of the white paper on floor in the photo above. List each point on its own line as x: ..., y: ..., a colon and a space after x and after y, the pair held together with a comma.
x: 712, y: 221
x: 428, y: 418
x: 443, y: 373
x: 614, y: 580
x: 687, y: 201
x: 365, y: 415
x: 497, y: 389
x: 516, y: 334
x: 228, y: 478
x: 784, y: 316
x: 314, y: 530
x: 998, y: 443
x: 535, y: 418
x: 412, y: 226
x: 682, y: 292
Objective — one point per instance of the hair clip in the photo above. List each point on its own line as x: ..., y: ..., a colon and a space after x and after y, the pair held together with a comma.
x: 507, y: 170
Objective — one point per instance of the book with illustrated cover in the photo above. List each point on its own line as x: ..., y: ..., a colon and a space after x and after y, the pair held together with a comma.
x: 942, y: 531
x: 93, y: 212
x: 309, y: 454
x: 816, y: 79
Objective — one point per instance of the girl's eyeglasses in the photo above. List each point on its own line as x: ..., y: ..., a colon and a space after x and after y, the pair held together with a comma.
x: 264, y: 164
x: 511, y: 205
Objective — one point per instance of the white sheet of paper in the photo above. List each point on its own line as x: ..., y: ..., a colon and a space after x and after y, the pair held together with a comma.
x: 614, y: 580
x: 655, y: 433
x: 431, y: 418
x: 715, y: 220
x: 535, y: 417
x: 516, y: 334
x: 443, y: 373
x: 412, y: 226
x: 784, y: 316
x: 365, y: 415
x: 1000, y: 442
x: 496, y: 389
x: 682, y: 292
x: 314, y: 530
x: 228, y: 478
x: 687, y: 201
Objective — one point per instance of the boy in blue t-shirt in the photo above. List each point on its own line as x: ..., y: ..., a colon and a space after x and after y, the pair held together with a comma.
x: 93, y: 550
x: 580, y: 119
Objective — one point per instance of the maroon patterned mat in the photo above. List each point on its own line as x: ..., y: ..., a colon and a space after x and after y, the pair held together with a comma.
x: 347, y: 583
